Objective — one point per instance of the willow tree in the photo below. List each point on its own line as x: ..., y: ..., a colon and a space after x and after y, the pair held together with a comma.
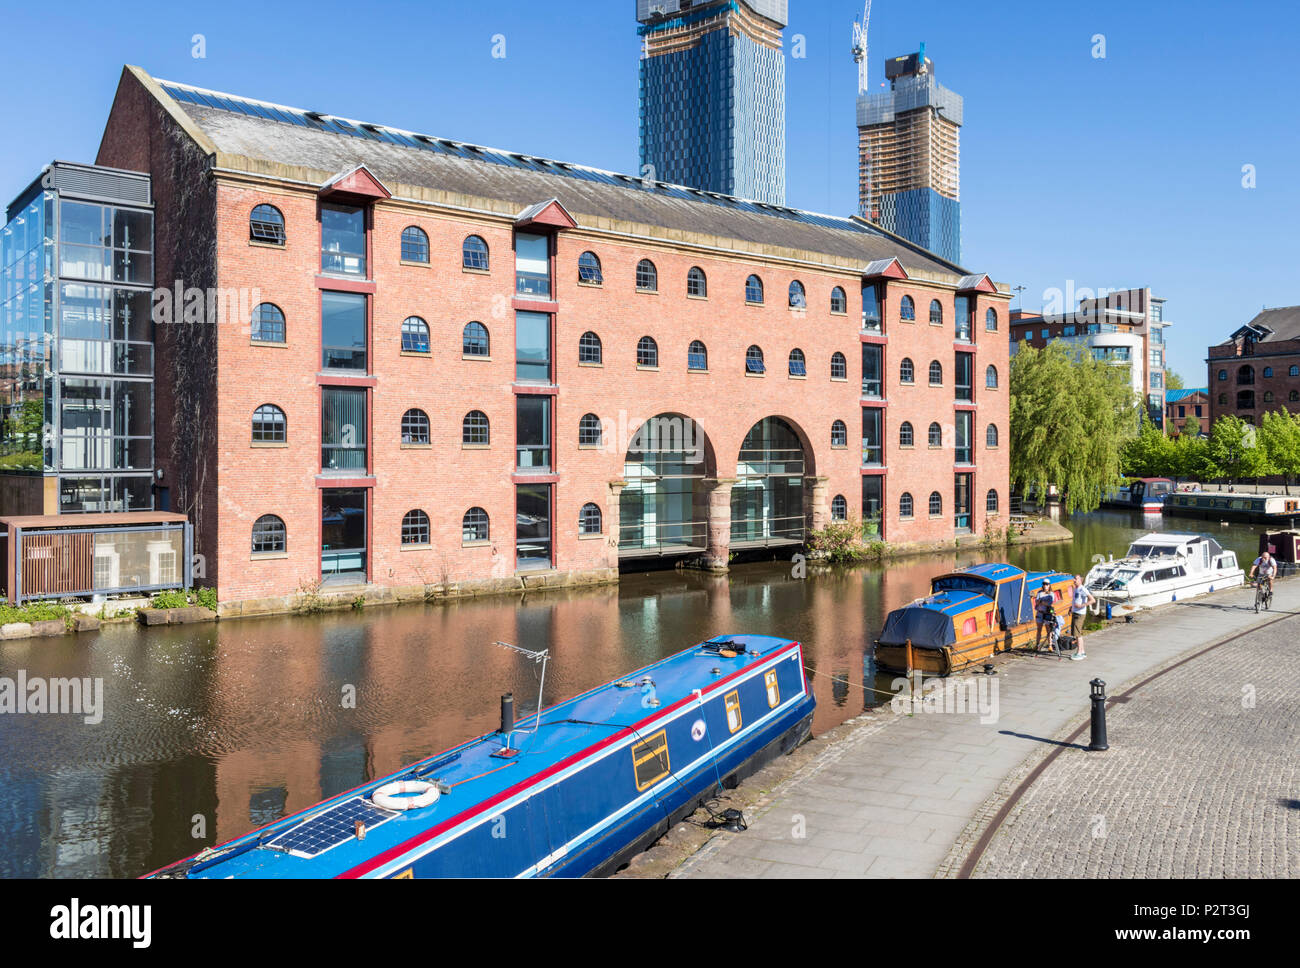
x: 1070, y: 417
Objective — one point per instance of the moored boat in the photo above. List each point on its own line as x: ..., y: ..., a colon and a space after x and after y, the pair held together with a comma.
x: 573, y: 791
x: 1274, y: 509
x: 1142, y: 493
x: 968, y: 616
x: 1163, y: 568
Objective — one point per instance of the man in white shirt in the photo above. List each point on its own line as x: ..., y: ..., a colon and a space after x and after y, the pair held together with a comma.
x: 1266, y: 565
x: 1080, y: 599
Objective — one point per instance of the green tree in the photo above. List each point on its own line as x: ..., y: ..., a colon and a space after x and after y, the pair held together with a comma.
x: 1173, y: 381
x: 1149, y: 454
x: 1191, y: 456
x: 1279, y: 435
x: 1070, y: 416
x: 1234, y: 450
x: 1192, y: 427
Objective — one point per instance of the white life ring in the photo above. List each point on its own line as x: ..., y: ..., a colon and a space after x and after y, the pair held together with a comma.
x: 395, y: 795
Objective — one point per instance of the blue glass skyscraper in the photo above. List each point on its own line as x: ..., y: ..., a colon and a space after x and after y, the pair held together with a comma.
x: 713, y: 95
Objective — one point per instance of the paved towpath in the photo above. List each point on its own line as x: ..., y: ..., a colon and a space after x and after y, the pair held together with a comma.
x: 910, y: 795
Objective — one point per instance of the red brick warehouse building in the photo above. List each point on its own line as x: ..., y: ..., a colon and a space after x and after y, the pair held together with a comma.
x: 457, y: 357
x: 1257, y: 370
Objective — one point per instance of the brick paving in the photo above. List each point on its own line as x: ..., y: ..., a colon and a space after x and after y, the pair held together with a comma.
x: 909, y: 795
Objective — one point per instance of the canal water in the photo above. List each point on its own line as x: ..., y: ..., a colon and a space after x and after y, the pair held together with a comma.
x: 210, y: 731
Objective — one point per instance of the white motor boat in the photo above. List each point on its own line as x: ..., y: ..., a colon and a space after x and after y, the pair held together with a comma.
x: 1164, y: 568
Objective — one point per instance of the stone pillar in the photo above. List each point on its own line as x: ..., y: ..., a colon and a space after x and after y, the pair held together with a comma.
x: 718, y: 503
x: 816, y: 505
x: 614, y: 521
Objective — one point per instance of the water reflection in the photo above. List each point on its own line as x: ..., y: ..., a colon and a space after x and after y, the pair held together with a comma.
x: 223, y: 729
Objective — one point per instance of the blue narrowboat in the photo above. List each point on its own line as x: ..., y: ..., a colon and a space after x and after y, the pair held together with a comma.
x: 575, y: 790
x: 968, y: 616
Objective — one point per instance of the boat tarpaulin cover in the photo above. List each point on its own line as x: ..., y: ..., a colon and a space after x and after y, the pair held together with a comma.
x: 928, y: 628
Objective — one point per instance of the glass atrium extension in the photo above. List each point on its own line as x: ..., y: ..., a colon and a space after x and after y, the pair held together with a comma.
x: 76, y: 340
x: 767, y: 498
x: 664, y: 508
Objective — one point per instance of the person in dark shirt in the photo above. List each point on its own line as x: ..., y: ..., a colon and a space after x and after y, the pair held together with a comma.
x: 1044, y: 603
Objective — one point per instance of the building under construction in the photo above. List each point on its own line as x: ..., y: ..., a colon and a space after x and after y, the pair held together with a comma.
x: 909, y: 156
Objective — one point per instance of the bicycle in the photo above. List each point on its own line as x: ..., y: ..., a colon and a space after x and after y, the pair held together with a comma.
x: 1263, y: 595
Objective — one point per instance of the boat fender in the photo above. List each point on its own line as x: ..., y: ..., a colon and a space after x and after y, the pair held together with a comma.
x: 397, y: 795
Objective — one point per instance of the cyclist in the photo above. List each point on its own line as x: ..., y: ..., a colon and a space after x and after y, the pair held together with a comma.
x: 1266, y: 565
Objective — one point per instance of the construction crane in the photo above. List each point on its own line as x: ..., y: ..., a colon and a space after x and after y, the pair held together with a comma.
x: 860, y: 49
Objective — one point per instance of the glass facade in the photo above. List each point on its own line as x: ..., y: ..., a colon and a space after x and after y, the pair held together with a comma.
x: 873, y: 363
x: 533, y: 433
x: 873, y: 450
x: 533, y: 525
x: 664, y: 506
x: 533, y: 348
x: 76, y: 340
x: 767, y: 498
x: 343, y: 240
x: 533, y: 265
x: 343, y: 533
x: 343, y: 430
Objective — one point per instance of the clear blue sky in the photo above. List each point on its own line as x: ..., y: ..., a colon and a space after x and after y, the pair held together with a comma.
x: 1115, y: 172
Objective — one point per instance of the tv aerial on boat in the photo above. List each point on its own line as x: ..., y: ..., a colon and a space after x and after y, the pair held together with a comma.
x: 508, y: 700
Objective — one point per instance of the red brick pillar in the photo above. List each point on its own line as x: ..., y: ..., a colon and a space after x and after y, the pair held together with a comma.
x: 816, y: 505
x: 718, y: 549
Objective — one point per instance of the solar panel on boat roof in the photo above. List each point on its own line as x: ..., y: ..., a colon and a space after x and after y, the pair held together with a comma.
x: 335, y: 826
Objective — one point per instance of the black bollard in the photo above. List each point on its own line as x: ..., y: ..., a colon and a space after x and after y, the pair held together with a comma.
x: 507, y: 715
x: 1098, y: 717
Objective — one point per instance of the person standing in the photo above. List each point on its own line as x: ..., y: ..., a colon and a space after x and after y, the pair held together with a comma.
x: 1044, y: 602
x: 1080, y: 599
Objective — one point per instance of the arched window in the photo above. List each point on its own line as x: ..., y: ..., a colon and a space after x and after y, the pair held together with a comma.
x: 991, y: 502
x: 991, y: 377
x: 907, y: 309
x: 936, y: 313
x: 1223, y: 375
x: 991, y: 321
x: 647, y: 352
x: 839, y: 302
x: 798, y: 365
x: 754, y: 290
x: 1245, y: 399
x: 1268, y: 396
x: 798, y: 297
x: 590, y: 349
x: 839, y: 508
x: 839, y: 367
x: 905, y: 508
x: 589, y: 273
x: 1268, y: 373
x: 268, y: 324
x: 590, y: 520
x: 474, y: 526
x: 647, y: 276
x: 1223, y: 399
x: 474, y: 254
x: 415, y: 528
x: 906, y: 372
x: 697, y: 356
x: 839, y: 434
x: 269, y: 535
x: 991, y: 436
x: 269, y: 425
x: 415, y: 427
x: 1295, y: 371
x: 415, y: 245
x: 266, y: 224
x: 936, y: 373
x: 589, y: 432
x: 1295, y: 395
x: 906, y: 436
x: 415, y: 335
x: 474, y: 429
x: 936, y: 503
x: 754, y: 361
x: 1245, y: 376
x: 474, y: 341
x: 697, y: 284
x: 936, y: 435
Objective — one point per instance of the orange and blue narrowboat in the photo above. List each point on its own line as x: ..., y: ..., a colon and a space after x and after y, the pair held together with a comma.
x: 969, y: 615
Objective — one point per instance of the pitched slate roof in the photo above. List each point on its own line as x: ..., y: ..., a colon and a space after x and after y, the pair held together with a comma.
x: 1272, y: 325
x: 262, y: 132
